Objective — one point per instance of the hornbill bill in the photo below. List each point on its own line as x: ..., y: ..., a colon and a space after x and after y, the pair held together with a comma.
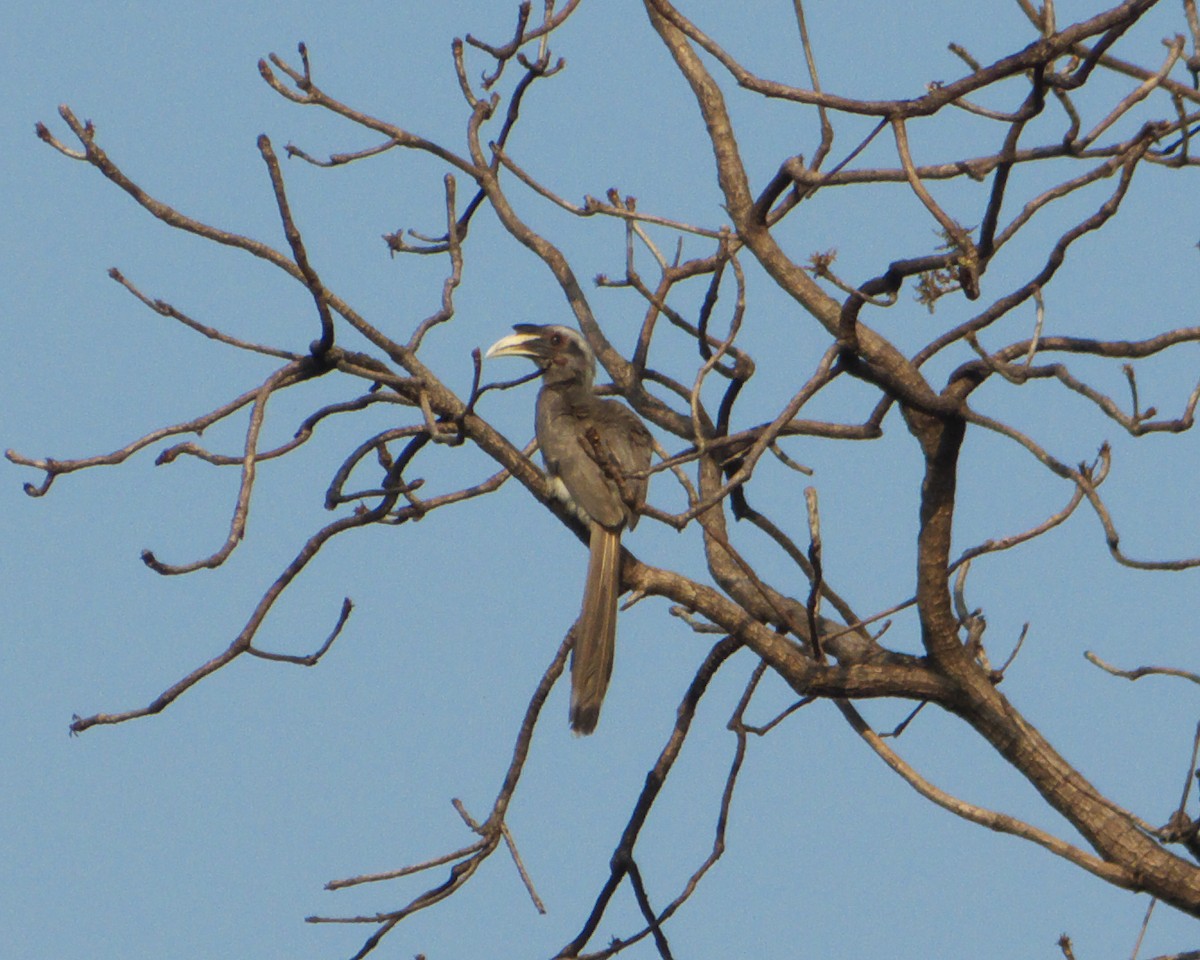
x: 597, y: 453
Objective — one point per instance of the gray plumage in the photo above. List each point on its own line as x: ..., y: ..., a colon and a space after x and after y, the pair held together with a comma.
x: 598, y: 452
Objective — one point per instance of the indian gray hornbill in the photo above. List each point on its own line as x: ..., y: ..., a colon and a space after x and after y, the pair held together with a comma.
x: 597, y: 453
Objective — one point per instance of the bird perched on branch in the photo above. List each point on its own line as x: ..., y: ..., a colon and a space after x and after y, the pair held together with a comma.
x: 597, y: 453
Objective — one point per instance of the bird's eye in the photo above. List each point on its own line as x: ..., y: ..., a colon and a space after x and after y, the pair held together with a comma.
x: 556, y: 339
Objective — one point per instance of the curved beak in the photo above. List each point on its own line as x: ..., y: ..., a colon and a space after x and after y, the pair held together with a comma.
x: 517, y: 345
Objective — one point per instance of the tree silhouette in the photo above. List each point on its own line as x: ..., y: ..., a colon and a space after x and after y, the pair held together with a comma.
x: 1046, y: 144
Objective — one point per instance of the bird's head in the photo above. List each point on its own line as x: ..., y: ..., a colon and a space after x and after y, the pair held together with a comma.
x: 562, y: 353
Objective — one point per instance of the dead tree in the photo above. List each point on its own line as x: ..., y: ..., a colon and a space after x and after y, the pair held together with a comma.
x: 1033, y: 109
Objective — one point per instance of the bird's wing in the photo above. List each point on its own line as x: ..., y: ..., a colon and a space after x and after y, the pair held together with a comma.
x: 630, y: 443
x: 563, y: 437
x: 564, y: 428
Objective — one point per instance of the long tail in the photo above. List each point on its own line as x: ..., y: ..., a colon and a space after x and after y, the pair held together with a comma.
x: 596, y: 630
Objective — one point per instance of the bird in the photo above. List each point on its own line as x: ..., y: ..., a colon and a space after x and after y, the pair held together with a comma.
x: 597, y: 455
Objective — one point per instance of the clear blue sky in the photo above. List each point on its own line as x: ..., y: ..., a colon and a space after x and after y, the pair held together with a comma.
x: 208, y: 831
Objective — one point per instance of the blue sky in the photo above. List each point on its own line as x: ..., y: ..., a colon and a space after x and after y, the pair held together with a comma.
x: 208, y: 831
